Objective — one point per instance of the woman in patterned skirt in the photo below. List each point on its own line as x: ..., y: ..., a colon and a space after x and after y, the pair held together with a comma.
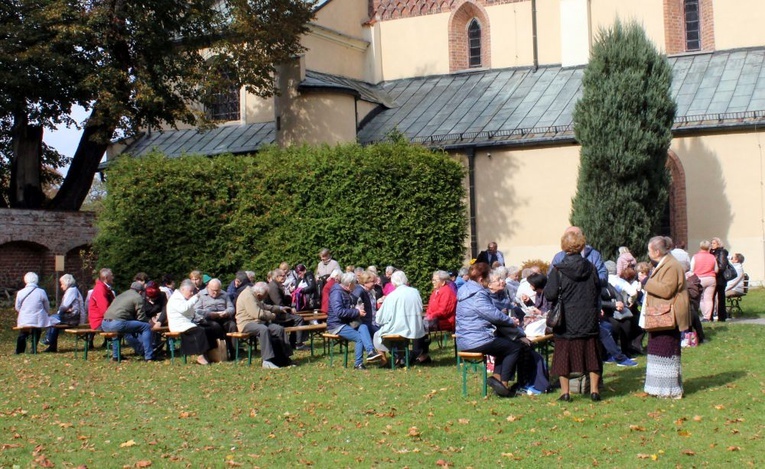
x: 665, y: 285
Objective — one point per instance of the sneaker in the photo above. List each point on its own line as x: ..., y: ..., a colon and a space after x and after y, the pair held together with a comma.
x: 627, y: 362
x: 532, y: 391
x: 303, y: 347
x: 269, y: 365
x: 610, y: 360
x: 360, y: 366
x: 374, y: 355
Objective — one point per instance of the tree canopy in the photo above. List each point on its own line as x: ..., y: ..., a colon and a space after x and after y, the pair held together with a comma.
x: 133, y: 64
x: 624, y: 124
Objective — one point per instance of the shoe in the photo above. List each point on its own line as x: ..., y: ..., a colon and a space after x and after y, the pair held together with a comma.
x: 499, y: 388
x: 202, y: 360
x: 44, y: 342
x: 532, y: 391
x: 424, y: 361
x: 360, y: 366
x: 565, y: 397
x: 50, y: 350
x: 269, y: 365
x: 627, y: 362
x: 610, y: 360
x: 303, y: 347
x: 371, y: 356
x: 595, y: 397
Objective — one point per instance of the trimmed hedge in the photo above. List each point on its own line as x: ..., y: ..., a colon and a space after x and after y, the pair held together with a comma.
x: 390, y: 203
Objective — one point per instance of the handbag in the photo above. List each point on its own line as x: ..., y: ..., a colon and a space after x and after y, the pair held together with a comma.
x: 729, y: 273
x: 555, y: 315
x: 660, y: 318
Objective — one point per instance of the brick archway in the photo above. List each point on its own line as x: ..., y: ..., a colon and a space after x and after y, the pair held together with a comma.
x: 458, y: 36
x: 678, y: 202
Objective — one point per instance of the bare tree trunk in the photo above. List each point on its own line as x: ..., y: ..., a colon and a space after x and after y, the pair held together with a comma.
x: 90, y: 150
x: 26, y: 190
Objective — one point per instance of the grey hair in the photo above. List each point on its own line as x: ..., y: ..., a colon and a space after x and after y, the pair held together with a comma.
x: 105, y: 272
x: 260, y: 288
x: 704, y: 245
x: 495, y: 274
x: 31, y: 277
x: 348, y: 279
x: 187, y: 284
x: 336, y: 274
x: 68, y: 280
x: 463, y: 271
x: 373, y: 269
x: 719, y: 242
x: 212, y: 281
x: 526, y: 272
x: 442, y: 275
x: 250, y: 275
x: 624, y: 250
x: 659, y: 243
x: 325, y: 252
x: 277, y: 272
x: 389, y: 270
x: 512, y: 270
x: 502, y: 271
x: 398, y: 278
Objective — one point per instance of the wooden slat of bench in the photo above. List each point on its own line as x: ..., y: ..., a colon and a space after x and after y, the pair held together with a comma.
x: 307, y: 328
x: 82, y: 331
x: 239, y: 335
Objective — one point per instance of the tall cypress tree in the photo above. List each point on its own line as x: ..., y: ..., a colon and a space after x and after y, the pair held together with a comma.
x: 624, y: 124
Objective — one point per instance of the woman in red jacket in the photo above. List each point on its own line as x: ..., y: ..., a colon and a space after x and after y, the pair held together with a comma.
x: 439, y: 316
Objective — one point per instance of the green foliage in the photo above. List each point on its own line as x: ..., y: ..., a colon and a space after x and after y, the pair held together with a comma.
x: 391, y: 203
x: 623, y: 123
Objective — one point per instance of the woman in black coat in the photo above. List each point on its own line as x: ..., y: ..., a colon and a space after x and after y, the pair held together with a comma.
x: 576, y: 339
x: 721, y: 255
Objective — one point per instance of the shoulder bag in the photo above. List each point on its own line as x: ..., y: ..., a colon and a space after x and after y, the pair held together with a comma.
x: 660, y: 318
x: 555, y: 315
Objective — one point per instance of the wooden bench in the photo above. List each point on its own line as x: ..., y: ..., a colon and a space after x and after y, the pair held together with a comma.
x: 472, y: 359
x: 32, y: 332
x: 332, y: 340
x: 82, y: 333
x: 171, y: 338
x: 251, y: 340
x: 395, y: 340
x: 310, y: 329
x: 112, y: 339
x: 734, y: 302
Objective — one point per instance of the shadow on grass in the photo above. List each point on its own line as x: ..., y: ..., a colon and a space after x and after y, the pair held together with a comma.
x: 700, y: 383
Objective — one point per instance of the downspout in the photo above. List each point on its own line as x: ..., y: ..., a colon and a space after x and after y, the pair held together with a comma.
x: 534, y: 38
x: 471, y: 195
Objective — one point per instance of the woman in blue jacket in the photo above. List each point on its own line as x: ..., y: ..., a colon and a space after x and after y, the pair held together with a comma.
x: 477, y: 323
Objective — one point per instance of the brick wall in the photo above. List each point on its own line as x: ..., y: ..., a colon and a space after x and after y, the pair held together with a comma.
x: 458, y: 36
x: 31, y: 239
x: 674, y: 26
x: 394, y: 9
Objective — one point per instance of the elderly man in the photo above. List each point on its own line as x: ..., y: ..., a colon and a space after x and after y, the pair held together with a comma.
x: 216, y: 306
x: 491, y: 255
x: 125, y: 316
x: 440, y: 316
x: 326, y: 264
x: 256, y: 317
x: 400, y: 314
x: 285, y: 318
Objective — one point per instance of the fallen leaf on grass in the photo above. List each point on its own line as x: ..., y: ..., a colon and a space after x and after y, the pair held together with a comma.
x: 414, y: 433
x: 143, y: 463
x: 128, y: 444
x: 637, y: 428
x: 233, y: 463
x: 9, y: 445
x: 443, y: 463
x: 512, y: 418
x: 734, y: 448
x: 697, y: 418
x: 688, y: 452
x: 719, y: 407
x: 463, y: 421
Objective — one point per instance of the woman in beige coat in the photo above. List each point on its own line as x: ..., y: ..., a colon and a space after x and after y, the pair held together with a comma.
x: 666, y: 285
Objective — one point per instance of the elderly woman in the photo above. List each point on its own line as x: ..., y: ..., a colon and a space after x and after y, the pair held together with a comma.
x: 665, y: 285
x: 196, y: 338
x: 705, y: 266
x: 574, y: 282
x: 400, y: 314
x: 69, y: 311
x: 439, y: 316
x: 477, y: 321
x: 344, y: 318
x: 33, y: 307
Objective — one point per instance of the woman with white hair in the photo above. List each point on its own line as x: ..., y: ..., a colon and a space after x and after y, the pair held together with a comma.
x: 400, y: 314
x: 33, y: 307
x: 69, y: 311
x: 344, y: 318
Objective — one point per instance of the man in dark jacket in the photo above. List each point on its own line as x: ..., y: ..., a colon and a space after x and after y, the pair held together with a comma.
x: 125, y: 316
x: 276, y: 296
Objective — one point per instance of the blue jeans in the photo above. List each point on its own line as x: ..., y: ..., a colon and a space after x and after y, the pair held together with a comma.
x: 141, y: 344
x: 52, y: 335
x: 607, y: 339
x: 361, y: 337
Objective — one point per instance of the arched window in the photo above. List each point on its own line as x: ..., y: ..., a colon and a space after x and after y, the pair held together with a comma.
x: 689, y: 26
x: 222, y: 99
x: 474, y: 44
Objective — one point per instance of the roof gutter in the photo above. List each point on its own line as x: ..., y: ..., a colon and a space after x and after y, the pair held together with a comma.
x: 534, y: 37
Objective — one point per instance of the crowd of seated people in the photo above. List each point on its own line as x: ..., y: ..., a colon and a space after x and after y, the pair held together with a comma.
x: 494, y: 309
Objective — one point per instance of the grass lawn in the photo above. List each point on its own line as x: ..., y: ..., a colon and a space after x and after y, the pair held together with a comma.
x: 60, y: 411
